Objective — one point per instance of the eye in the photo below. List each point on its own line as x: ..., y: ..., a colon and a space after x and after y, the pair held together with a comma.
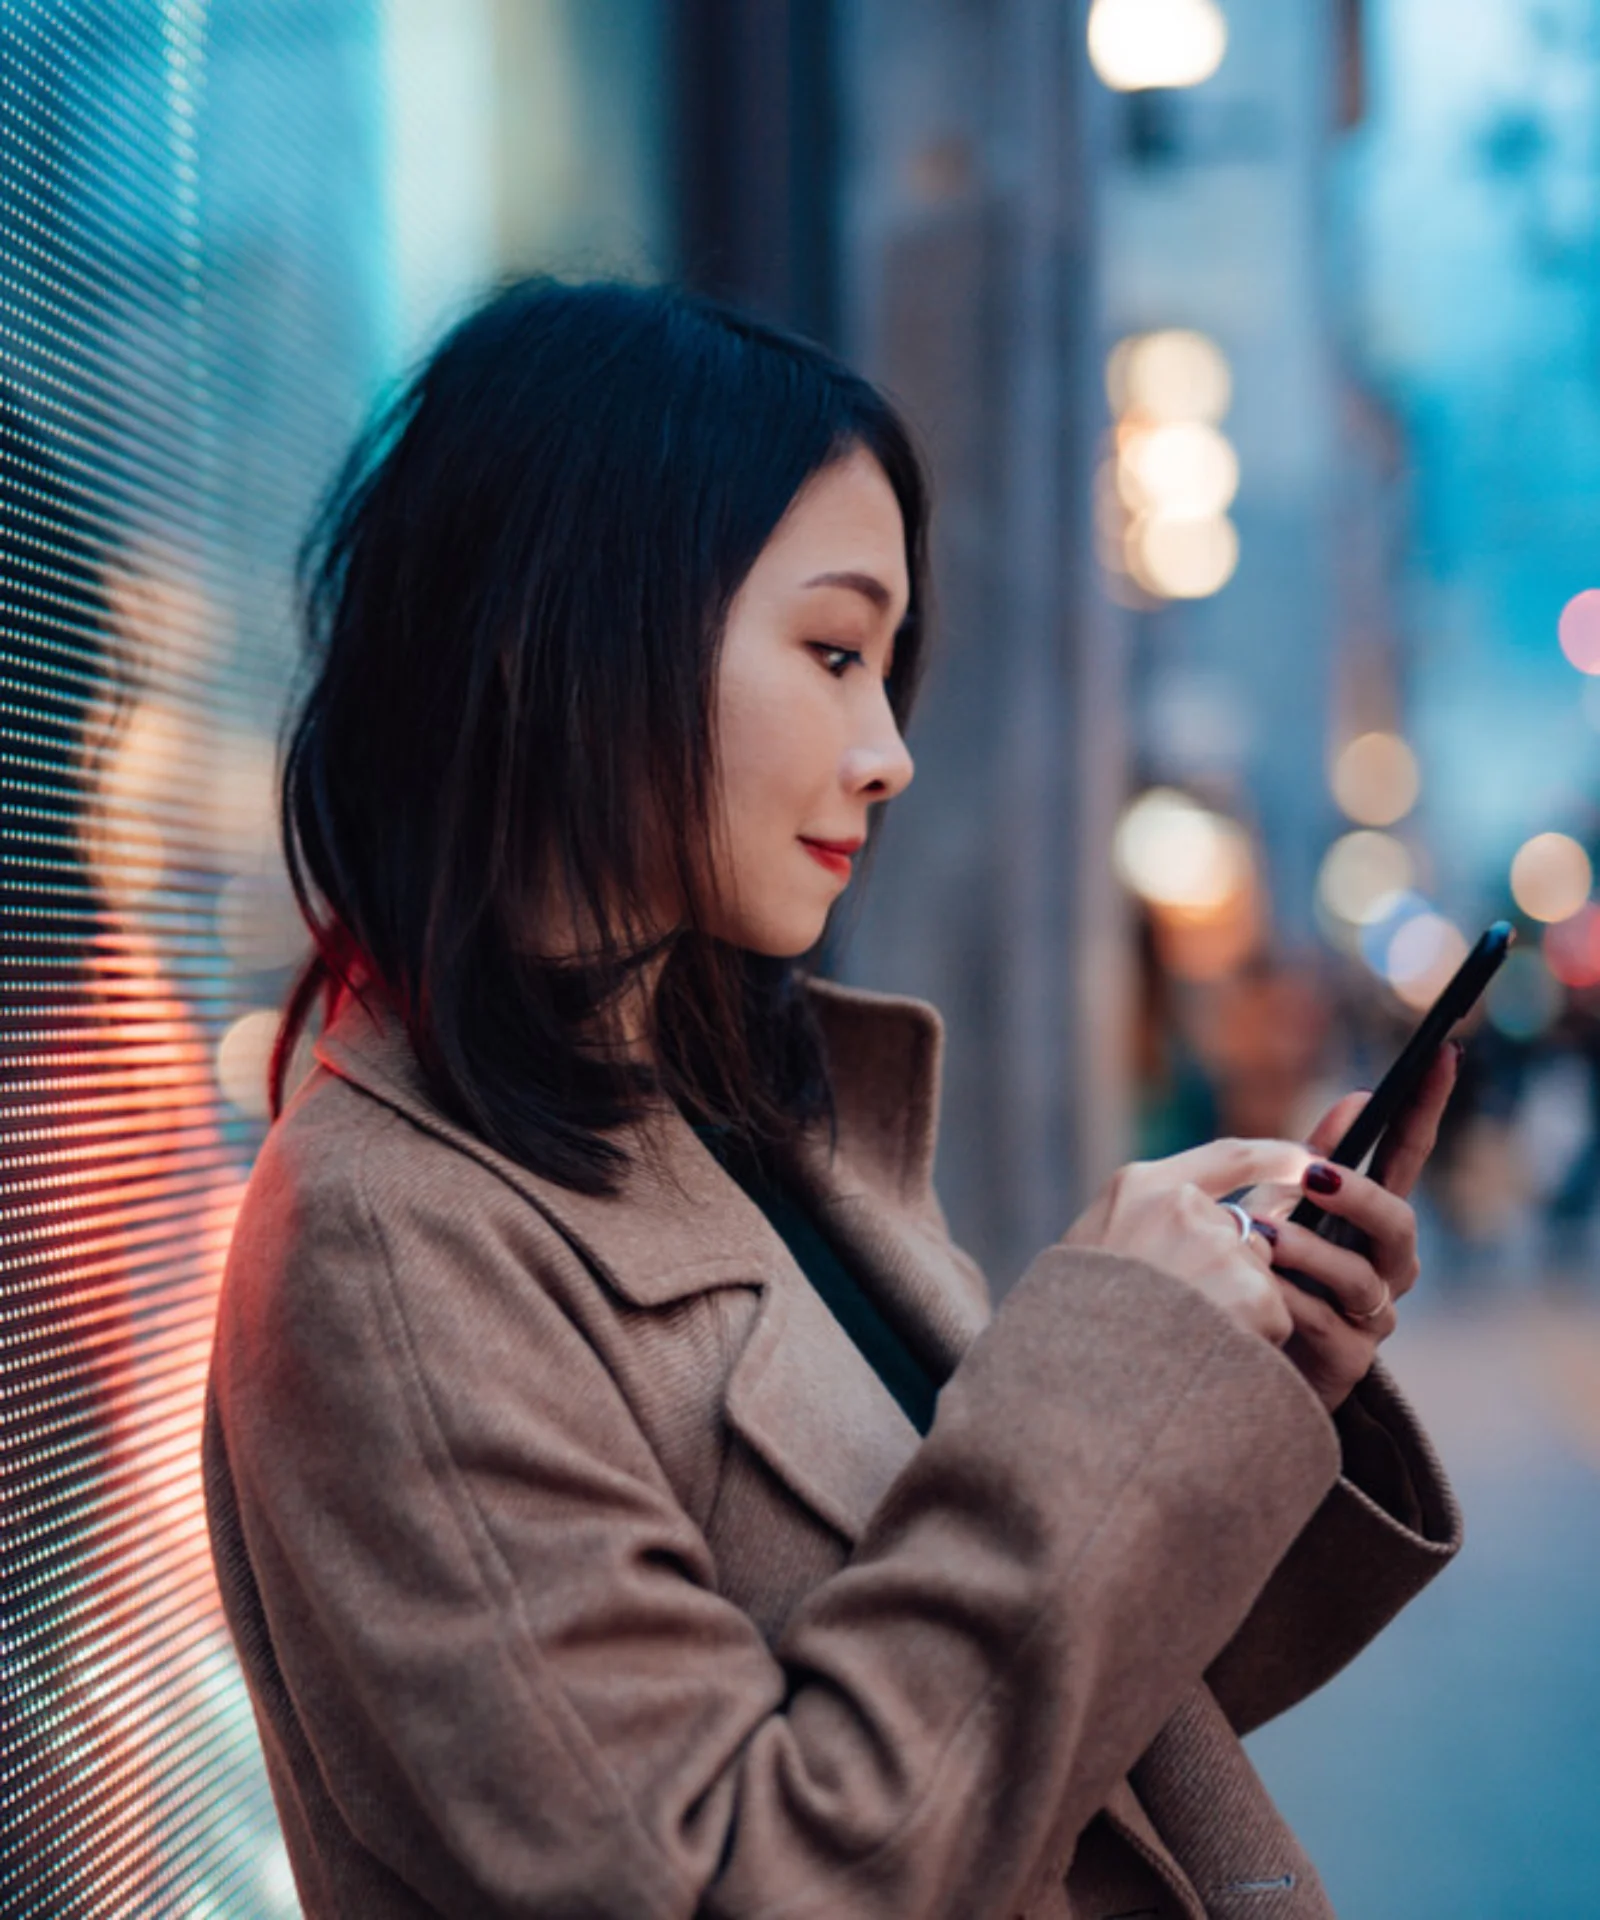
x: 837, y: 660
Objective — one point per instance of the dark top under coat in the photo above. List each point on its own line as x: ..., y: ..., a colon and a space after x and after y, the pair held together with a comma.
x: 880, y: 1342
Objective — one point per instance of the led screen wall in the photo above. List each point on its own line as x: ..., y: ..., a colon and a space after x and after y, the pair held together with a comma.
x: 191, y: 296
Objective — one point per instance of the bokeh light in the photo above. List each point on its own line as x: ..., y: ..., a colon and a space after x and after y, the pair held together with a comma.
x: 1209, y: 943
x: 1384, y: 921
x: 1375, y: 779
x: 1579, y: 630
x: 244, y: 1055
x: 259, y: 922
x: 242, y: 801
x: 1173, y: 852
x: 1362, y: 874
x: 1572, y: 948
x: 1183, y: 559
x: 1524, y: 998
x: 139, y: 773
x: 1156, y: 43
x: 1424, y: 952
x: 1170, y: 376
x: 1185, y: 470
x: 1161, y: 503
x: 1551, y: 877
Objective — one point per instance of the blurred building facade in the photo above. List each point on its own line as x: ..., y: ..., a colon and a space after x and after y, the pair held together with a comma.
x: 970, y: 263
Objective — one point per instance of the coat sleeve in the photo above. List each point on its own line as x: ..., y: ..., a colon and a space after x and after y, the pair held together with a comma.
x: 500, y: 1636
x: 1387, y: 1527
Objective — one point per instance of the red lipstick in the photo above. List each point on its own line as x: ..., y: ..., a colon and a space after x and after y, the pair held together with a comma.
x: 835, y: 855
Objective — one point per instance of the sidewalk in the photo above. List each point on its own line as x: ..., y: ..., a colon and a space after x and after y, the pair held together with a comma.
x: 1454, y: 1772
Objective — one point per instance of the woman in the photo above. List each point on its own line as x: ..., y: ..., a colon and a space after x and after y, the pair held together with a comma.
x: 623, y: 1500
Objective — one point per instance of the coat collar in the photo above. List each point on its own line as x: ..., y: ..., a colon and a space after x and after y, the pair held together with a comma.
x: 799, y: 1393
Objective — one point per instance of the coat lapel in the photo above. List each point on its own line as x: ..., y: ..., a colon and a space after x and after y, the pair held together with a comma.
x: 804, y: 1399
x: 800, y: 1394
x: 872, y: 1186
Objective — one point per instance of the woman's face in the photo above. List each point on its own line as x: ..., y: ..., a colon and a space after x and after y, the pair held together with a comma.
x: 806, y: 742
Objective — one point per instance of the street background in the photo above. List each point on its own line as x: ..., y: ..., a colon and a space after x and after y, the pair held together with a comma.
x: 1255, y: 345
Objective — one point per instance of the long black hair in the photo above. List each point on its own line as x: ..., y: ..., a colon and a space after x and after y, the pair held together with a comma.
x: 515, y: 598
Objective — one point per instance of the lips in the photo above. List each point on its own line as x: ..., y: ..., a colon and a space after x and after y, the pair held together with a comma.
x: 835, y: 855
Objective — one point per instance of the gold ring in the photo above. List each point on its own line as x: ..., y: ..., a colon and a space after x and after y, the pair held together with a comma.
x: 1361, y: 1319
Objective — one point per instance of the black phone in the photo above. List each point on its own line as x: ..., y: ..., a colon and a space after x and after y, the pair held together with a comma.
x: 1395, y: 1093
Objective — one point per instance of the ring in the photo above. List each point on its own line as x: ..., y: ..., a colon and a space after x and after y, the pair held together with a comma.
x: 1361, y: 1319
x: 1245, y: 1224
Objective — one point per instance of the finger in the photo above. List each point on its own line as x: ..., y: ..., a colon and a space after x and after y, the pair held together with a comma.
x: 1271, y: 1200
x: 1223, y: 1166
x: 1387, y: 1221
x: 1335, y: 1123
x: 1221, y: 1224
x: 1355, y: 1282
x: 1274, y: 1199
x: 1409, y: 1142
x: 1337, y: 1349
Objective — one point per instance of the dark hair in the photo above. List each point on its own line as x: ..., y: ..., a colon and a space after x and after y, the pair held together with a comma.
x: 515, y: 600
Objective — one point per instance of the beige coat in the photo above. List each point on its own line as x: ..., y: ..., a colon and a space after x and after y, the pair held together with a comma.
x: 580, y: 1566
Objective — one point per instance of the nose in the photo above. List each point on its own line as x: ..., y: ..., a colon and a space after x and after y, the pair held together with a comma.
x: 878, y: 766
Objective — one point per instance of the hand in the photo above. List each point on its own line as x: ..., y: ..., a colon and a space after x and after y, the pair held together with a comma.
x: 1165, y: 1212
x: 1334, y: 1347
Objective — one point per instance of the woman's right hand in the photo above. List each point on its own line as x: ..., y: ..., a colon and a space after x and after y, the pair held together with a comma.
x: 1165, y: 1212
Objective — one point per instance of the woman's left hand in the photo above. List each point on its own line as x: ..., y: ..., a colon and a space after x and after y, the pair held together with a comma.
x: 1334, y: 1347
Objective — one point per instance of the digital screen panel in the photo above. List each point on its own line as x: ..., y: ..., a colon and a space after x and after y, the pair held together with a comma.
x: 191, y: 325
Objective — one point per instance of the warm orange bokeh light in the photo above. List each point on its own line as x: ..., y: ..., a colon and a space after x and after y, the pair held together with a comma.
x: 1376, y: 779
x: 1211, y: 942
x: 1550, y: 877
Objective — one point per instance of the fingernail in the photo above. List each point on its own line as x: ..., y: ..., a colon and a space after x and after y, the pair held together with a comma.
x: 1266, y: 1229
x: 1321, y: 1178
x: 1459, y: 1048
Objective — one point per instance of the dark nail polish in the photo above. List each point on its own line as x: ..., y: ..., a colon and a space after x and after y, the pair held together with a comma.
x: 1322, y: 1178
x: 1266, y: 1229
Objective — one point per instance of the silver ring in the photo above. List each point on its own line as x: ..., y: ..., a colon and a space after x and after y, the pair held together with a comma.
x: 1245, y: 1224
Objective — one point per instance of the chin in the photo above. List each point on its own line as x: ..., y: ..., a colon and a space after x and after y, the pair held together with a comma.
x: 775, y: 946
x: 776, y: 939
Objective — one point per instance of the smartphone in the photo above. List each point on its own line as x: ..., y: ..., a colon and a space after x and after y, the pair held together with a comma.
x: 1395, y: 1093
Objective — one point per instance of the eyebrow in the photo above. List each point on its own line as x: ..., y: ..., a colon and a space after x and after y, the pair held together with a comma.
x: 866, y: 584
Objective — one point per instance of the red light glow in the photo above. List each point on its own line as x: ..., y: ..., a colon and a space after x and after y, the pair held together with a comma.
x: 1572, y: 948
